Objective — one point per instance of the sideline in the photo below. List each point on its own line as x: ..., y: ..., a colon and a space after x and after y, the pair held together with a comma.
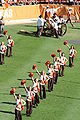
x: 21, y: 21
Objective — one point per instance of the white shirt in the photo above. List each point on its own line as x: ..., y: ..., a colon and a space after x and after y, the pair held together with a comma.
x: 40, y: 22
x: 2, y: 49
x: 9, y: 42
x: 29, y: 95
x: 71, y: 52
x: 56, y: 65
x: 35, y: 87
x: 18, y: 104
x: 50, y: 71
x: 42, y: 79
x: 62, y: 60
x: 56, y: 26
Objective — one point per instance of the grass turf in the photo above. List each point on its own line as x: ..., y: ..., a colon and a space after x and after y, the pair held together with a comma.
x: 61, y: 104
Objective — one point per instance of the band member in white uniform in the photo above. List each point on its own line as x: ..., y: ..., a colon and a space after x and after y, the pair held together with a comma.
x: 2, y: 52
x: 29, y: 94
x: 19, y: 106
x: 10, y: 44
x: 72, y: 53
x: 51, y: 76
x: 36, y: 89
x: 63, y: 61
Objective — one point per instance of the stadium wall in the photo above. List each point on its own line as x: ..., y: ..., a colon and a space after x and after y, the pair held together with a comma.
x: 33, y: 11
x: 20, y: 12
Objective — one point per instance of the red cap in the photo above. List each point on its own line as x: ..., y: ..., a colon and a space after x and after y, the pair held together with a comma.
x: 34, y: 66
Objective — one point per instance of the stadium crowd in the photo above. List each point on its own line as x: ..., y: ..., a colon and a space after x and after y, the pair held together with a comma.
x: 34, y: 2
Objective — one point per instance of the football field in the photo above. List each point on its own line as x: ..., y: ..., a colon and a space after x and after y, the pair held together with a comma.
x: 63, y: 103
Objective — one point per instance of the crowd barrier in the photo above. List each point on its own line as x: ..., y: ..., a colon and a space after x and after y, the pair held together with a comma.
x: 33, y: 11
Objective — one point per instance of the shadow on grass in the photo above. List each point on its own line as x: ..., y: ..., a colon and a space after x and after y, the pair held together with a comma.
x: 26, y: 33
x: 17, y: 87
x: 76, y: 28
x: 68, y: 97
x: 8, y: 112
x: 23, y: 79
x: 10, y: 103
x: 30, y: 26
x: 33, y: 34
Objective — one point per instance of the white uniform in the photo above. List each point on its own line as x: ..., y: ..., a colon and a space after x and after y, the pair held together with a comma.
x: 56, y: 65
x: 40, y: 22
x: 50, y: 71
x: 9, y: 42
x: 42, y: 80
x: 29, y: 96
x: 71, y: 53
x: 35, y: 87
x: 56, y: 26
x: 18, y: 104
x: 2, y: 49
x: 62, y: 60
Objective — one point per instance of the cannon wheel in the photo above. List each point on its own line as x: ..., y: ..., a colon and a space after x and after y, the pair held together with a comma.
x: 64, y: 29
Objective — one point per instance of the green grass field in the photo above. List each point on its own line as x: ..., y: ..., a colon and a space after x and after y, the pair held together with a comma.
x: 61, y: 104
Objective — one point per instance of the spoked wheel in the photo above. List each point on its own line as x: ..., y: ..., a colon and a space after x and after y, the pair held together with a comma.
x: 63, y: 29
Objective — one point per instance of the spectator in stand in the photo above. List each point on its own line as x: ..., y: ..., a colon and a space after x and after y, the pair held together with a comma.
x: 71, y: 2
x: 2, y: 1
x: 50, y: 1
x: 15, y: 2
x: 59, y: 1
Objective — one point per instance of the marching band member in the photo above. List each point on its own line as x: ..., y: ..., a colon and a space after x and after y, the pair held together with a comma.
x: 63, y: 61
x: 72, y: 53
x: 36, y: 89
x: 10, y: 44
x: 43, y: 77
x: 51, y: 76
x: 29, y: 100
x: 19, y: 106
x: 2, y: 51
x: 56, y: 68
x: 43, y: 81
